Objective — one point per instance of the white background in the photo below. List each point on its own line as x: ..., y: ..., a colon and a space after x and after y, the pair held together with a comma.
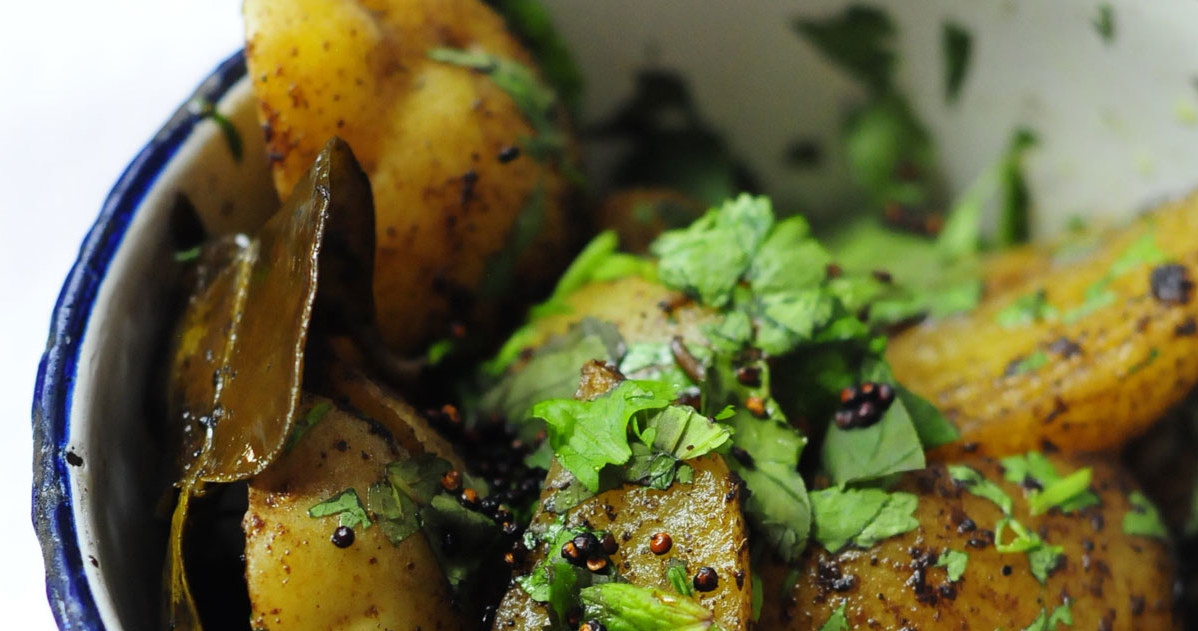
x: 83, y: 85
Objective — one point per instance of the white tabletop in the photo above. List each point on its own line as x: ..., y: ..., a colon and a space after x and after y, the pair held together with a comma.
x: 85, y: 84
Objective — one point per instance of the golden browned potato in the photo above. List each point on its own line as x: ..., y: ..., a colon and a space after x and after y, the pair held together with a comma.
x: 642, y: 310
x: 638, y: 215
x: 463, y: 205
x: 1113, y: 581
x: 703, y: 520
x: 1082, y: 355
x: 298, y: 578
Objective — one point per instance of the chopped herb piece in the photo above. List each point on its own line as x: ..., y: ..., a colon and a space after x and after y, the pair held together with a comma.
x: 536, y: 102
x: 302, y: 425
x: 954, y: 563
x: 1049, y: 622
x: 858, y: 40
x: 1025, y: 310
x: 1104, y: 22
x: 837, y: 621
x: 956, y: 45
x: 347, y: 506
x: 861, y: 517
x: 709, y: 257
x: 789, y: 259
x: 552, y: 372
x: 394, y: 512
x: 533, y: 24
x: 1144, y: 519
x: 1070, y: 493
x: 439, y: 350
x: 683, y: 433
x: 189, y: 255
x: 1042, y: 557
x: 204, y: 109
x: 975, y: 483
x: 627, y: 607
x: 933, y: 428
x: 679, y: 580
x: 1014, y: 216
x: 1029, y: 364
x: 501, y: 266
x: 418, y: 477
x: 889, y: 446
x: 1153, y: 353
x: 587, y: 435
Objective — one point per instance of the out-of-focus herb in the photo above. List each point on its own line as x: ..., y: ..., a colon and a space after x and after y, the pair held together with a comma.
x: 1144, y: 519
x: 954, y: 563
x: 534, y: 26
x: 956, y: 46
x: 306, y: 422
x: 1104, y: 22
x: 206, y: 110
x: 837, y: 621
x: 858, y: 40
x: 1026, y: 309
x: 1024, y: 365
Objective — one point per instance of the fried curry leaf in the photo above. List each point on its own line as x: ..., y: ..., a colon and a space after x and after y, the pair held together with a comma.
x: 240, y: 350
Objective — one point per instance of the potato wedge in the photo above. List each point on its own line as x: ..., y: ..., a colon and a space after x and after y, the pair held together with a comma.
x: 1114, y: 581
x: 1092, y: 364
x: 703, y: 519
x: 430, y: 135
x: 298, y: 579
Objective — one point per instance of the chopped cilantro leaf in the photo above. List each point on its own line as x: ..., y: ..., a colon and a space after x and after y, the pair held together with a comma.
x: 1141, y: 252
x: 647, y: 360
x: 394, y: 512
x: 1042, y: 557
x: 889, y: 446
x: 418, y: 477
x: 1029, y: 364
x: 1144, y: 519
x: 1070, y: 493
x: 683, y: 433
x: 536, y: 102
x: 346, y: 505
x: 975, y: 483
x: 552, y: 372
x: 709, y: 257
x: 1050, y: 621
x: 533, y: 24
x: 474, y: 536
x: 305, y: 423
x: 587, y: 435
x: 956, y: 45
x: 954, y: 563
x: 861, y: 517
x: 882, y: 138
x: 789, y: 259
x: 837, y: 621
x: 1014, y: 216
x: 1025, y: 310
x: 933, y: 428
x: 627, y: 607
x: 679, y: 580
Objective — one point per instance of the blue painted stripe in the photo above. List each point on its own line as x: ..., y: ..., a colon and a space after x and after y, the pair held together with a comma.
x: 67, y: 588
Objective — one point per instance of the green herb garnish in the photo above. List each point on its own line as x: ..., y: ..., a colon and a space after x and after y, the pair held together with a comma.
x: 956, y: 46
x: 837, y: 621
x: 347, y: 506
x: 1069, y: 493
x: 1144, y: 519
x: 1025, y: 310
x: 626, y: 607
x: 861, y: 517
x: 954, y: 563
x: 305, y: 423
x: 1104, y: 22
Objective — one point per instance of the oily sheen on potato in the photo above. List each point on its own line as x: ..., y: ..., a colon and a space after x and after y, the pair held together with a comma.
x: 1109, y: 579
x: 298, y: 578
x: 1082, y: 353
x: 428, y: 133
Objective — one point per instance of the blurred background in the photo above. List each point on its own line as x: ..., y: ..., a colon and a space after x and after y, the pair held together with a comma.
x: 84, y: 85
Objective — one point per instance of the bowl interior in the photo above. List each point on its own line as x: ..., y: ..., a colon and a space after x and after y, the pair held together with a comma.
x: 1117, y: 121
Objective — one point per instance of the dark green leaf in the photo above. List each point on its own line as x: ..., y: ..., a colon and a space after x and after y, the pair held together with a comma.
x: 1104, y: 22
x: 1014, y: 216
x: 679, y: 580
x: 956, y: 45
x: 394, y: 512
x: 858, y: 40
x: 418, y: 477
x: 933, y: 428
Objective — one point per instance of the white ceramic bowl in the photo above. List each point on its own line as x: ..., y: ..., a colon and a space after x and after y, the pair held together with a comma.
x: 1117, y: 121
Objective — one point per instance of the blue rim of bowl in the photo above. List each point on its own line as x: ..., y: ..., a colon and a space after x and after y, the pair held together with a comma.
x: 67, y: 587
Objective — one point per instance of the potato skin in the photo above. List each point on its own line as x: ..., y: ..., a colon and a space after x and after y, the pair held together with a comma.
x: 704, y: 520
x: 1116, y: 581
x: 427, y: 133
x: 642, y: 310
x: 1109, y: 375
x: 298, y: 579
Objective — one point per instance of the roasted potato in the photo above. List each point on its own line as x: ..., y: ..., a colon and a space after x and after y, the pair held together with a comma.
x: 464, y: 205
x: 298, y: 578
x: 1080, y: 355
x: 703, y: 519
x: 1111, y: 580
